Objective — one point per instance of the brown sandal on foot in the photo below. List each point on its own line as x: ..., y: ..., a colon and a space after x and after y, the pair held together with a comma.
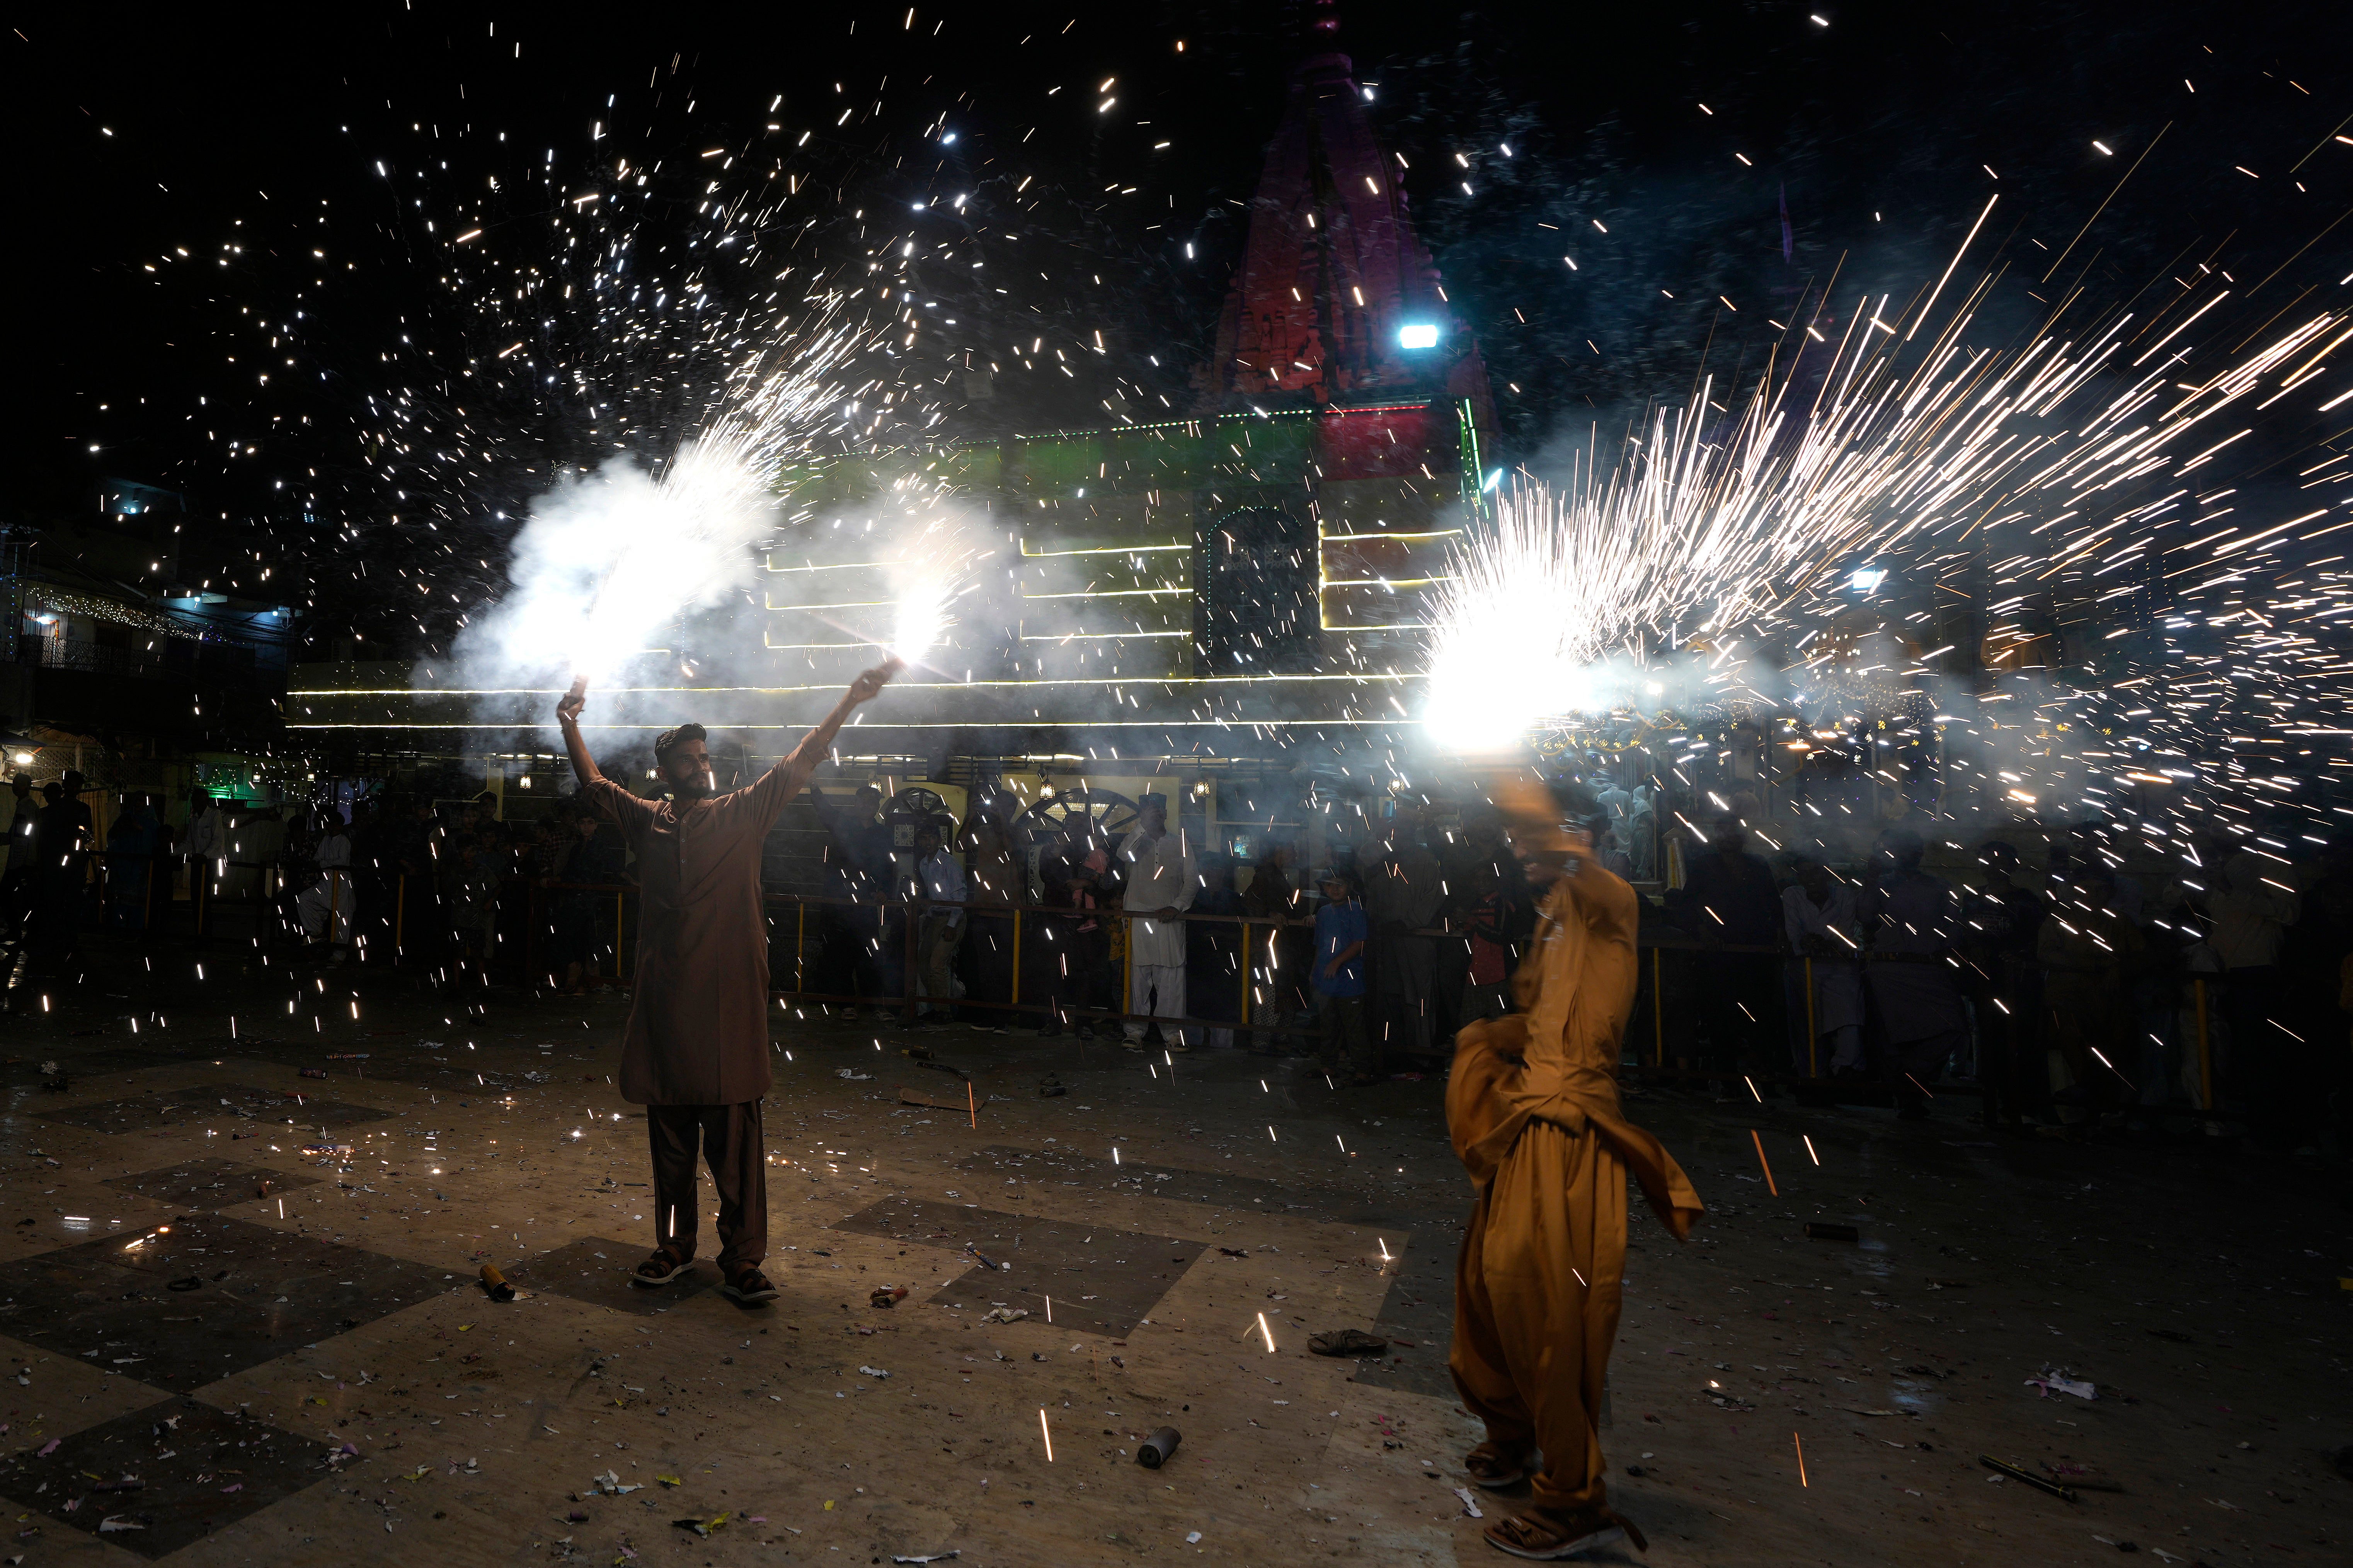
x: 1543, y: 1537
x: 750, y: 1286
x: 1493, y: 1468
x: 669, y: 1261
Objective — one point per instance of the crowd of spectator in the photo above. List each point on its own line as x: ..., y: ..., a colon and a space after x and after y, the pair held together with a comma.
x: 467, y: 893
x: 448, y: 886
x: 49, y: 839
x: 2102, y: 986
x: 2107, y: 987
x: 1370, y: 966
x: 1140, y: 921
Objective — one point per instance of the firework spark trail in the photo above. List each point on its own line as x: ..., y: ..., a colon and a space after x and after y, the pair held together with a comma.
x: 677, y: 544
x: 1721, y: 539
x: 613, y: 554
x: 585, y: 326
x: 925, y: 585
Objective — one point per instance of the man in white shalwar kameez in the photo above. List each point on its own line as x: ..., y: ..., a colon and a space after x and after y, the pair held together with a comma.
x: 1157, y: 868
x: 1819, y: 920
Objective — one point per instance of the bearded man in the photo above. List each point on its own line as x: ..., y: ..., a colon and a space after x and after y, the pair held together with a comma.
x: 695, y: 1054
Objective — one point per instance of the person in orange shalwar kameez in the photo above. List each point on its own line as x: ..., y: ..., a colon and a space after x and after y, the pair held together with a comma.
x: 1533, y: 1110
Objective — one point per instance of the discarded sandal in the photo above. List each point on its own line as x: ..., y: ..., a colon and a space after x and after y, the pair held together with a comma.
x: 1347, y: 1342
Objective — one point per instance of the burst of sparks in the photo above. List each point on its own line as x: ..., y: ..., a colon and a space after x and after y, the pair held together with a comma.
x: 1719, y: 564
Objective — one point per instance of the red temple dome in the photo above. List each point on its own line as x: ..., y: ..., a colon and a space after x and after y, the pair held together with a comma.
x: 1335, y: 300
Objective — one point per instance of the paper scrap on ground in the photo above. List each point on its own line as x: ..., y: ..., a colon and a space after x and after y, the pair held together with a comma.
x: 2052, y: 1383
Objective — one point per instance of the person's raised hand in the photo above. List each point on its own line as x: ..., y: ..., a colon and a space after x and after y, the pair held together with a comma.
x: 567, y: 709
x: 869, y: 685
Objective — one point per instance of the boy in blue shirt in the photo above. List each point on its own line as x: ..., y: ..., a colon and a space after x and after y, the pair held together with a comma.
x: 1339, y: 976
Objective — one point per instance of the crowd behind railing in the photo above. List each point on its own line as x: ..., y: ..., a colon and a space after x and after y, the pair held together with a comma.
x: 2092, y: 988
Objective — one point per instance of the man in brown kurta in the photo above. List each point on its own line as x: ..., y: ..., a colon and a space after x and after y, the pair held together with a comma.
x: 695, y: 1054
x: 1533, y: 1110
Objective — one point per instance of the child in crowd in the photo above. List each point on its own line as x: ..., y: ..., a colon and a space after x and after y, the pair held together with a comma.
x: 1341, y: 930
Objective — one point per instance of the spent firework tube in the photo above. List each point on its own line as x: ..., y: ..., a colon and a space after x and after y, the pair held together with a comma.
x: 2020, y: 1473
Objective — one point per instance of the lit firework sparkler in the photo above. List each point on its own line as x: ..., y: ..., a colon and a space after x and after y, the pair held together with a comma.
x: 933, y: 575
x: 1712, y: 531
x: 651, y: 391
x: 921, y: 619
x: 1529, y: 612
x: 673, y: 544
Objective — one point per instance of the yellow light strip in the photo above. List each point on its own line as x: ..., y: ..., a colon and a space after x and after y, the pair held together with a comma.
x: 844, y: 566
x: 1105, y: 550
x: 1384, y: 581
x: 1098, y: 637
x: 1441, y: 533
x: 1118, y: 593
x: 845, y: 605
x: 959, y: 724
x: 1360, y: 678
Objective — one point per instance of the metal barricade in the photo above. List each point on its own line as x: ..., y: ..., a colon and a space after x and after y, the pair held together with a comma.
x: 908, y: 999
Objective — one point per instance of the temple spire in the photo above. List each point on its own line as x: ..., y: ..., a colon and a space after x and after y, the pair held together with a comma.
x: 1335, y: 299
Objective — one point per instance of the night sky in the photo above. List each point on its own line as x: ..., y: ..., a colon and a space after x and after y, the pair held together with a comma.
x: 200, y: 205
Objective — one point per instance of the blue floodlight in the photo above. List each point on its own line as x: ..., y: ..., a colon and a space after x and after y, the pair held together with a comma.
x: 1493, y: 479
x: 1867, y: 579
x: 1418, y: 335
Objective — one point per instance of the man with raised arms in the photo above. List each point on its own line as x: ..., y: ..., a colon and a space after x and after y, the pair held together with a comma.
x: 695, y: 1054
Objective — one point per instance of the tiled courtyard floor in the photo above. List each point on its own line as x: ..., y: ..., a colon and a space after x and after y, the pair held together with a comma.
x: 241, y: 1320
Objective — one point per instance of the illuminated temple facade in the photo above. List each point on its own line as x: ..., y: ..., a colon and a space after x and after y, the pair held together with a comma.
x: 1291, y: 528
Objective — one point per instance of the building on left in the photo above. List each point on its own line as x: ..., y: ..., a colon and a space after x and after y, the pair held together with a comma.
x: 130, y: 661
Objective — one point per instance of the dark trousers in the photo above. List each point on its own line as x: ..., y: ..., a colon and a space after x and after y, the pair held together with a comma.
x: 2012, y: 1058
x: 847, y: 963
x: 1740, y: 1007
x: 200, y: 895
x: 1450, y: 1002
x: 1079, y: 974
x: 571, y: 931
x: 987, y: 960
x: 55, y: 922
x: 421, y: 913
x: 731, y: 1143
x: 1405, y: 977
x: 2258, y: 1081
x: 1342, y: 1046
x: 16, y: 891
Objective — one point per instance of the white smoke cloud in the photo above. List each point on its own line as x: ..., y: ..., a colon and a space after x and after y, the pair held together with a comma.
x: 608, y: 562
